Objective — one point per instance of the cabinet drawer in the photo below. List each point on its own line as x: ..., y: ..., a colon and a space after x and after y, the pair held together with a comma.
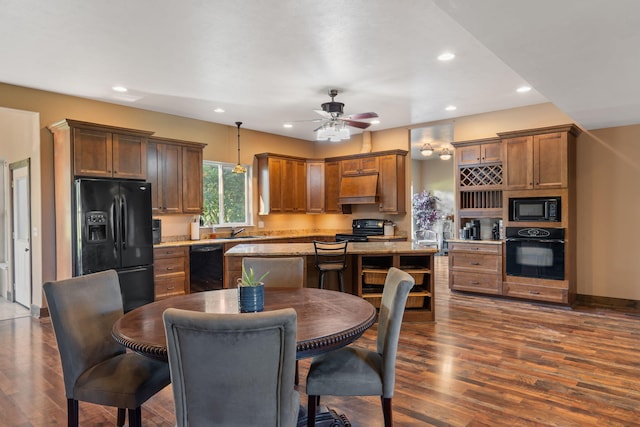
x: 477, y: 262
x: 475, y: 247
x: 164, y: 266
x: 536, y: 292
x: 475, y: 282
x: 170, y: 252
x: 170, y: 286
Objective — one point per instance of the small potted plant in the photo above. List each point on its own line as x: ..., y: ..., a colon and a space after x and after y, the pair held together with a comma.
x: 250, y: 291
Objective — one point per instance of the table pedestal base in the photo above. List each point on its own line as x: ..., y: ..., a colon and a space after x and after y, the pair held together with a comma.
x: 325, y: 417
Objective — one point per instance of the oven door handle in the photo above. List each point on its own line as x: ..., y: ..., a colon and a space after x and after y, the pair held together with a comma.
x: 514, y: 239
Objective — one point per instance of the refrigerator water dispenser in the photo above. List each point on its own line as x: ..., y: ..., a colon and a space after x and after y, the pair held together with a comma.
x: 96, y: 226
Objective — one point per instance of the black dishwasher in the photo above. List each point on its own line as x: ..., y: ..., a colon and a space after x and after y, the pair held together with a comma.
x: 206, y: 265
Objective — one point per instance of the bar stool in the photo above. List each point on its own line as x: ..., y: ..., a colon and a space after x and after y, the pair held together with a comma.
x: 330, y: 256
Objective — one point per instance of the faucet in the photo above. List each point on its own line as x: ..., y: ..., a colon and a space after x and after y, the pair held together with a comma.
x: 235, y: 232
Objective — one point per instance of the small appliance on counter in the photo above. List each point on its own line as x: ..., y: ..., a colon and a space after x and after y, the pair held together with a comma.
x: 471, y: 230
x: 156, y: 230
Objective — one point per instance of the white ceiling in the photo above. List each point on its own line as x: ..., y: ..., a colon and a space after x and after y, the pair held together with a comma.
x: 270, y: 62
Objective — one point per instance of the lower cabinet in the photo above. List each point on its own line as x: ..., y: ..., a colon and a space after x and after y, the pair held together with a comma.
x: 171, y: 271
x: 372, y: 272
x: 475, y: 267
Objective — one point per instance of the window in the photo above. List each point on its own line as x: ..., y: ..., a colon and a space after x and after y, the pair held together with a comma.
x: 226, y: 195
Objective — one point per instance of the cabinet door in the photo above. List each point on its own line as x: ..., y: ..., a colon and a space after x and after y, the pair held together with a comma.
x: 469, y: 155
x: 550, y: 160
x: 332, y: 187
x: 490, y: 153
x: 391, y: 188
x: 315, y: 186
x: 359, y: 166
x: 154, y: 176
x: 129, y: 157
x: 369, y: 164
x: 92, y: 153
x: 276, y: 173
x: 518, y: 157
x: 171, y: 173
x: 191, y: 180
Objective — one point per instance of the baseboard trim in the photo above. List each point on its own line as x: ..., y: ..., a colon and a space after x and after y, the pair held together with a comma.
x: 608, y: 302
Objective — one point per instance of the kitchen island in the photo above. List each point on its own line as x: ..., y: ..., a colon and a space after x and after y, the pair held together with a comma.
x: 367, y: 265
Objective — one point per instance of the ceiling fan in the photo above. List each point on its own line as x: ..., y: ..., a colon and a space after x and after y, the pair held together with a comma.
x: 334, y: 123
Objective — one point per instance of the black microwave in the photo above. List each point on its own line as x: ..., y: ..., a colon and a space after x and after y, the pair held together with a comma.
x: 535, y: 209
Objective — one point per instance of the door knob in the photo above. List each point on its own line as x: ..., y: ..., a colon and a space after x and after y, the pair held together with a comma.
x: 26, y: 249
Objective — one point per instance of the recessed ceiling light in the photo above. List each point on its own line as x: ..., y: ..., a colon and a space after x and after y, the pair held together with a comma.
x: 119, y: 88
x: 451, y: 108
x: 219, y: 110
x: 523, y: 89
x: 447, y: 56
x: 375, y: 122
x: 287, y: 125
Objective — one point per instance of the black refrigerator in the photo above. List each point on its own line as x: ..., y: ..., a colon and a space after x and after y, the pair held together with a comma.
x: 113, y: 231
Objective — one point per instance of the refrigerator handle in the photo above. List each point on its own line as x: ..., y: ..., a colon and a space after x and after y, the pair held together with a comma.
x: 123, y: 221
x: 114, y: 221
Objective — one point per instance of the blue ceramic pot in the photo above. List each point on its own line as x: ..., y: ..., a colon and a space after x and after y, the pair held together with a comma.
x: 251, y: 298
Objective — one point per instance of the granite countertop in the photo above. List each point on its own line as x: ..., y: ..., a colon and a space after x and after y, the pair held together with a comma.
x: 304, y: 249
x: 477, y: 242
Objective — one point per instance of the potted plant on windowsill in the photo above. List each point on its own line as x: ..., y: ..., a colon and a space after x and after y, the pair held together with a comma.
x: 250, y: 291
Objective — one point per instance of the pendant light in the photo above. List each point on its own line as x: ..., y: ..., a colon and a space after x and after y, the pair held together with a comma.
x: 239, y: 168
x: 426, y: 150
x: 445, y: 154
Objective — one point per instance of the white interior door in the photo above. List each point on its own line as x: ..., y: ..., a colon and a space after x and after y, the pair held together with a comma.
x: 21, y: 235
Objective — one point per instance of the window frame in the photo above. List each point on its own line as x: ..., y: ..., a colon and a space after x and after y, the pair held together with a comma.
x: 248, y: 185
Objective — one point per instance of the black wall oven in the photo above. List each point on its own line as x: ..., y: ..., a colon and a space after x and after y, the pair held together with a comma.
x: 535, y: 252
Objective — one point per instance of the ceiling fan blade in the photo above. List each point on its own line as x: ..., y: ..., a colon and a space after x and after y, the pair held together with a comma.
x: 323, y: 113
x: 319, y: 127
x: 361, y: 125
x: 360, y: 116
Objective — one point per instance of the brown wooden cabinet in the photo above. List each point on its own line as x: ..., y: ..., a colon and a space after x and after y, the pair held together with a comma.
x: 175, y: 172
x: 107, y: 151
x: 332, y: 187
x: 315, y: 186
x: 171, y: 271
x: 537, y: 159
x: 391, y: 183
x: 359, y: 166
x: 282, y: 184
x: 475, y: 267
x: 477, y: 153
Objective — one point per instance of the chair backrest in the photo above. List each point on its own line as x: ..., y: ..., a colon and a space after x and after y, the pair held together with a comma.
x: 83, y: 310
x: 394, y: 299
x: 330, y: 252
x: 233, y: 369
x: 286, y: 272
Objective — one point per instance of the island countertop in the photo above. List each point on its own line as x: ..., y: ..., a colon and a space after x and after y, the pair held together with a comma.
x: 305, y: 249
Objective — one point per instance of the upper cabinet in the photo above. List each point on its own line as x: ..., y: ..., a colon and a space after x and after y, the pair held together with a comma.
x: 489, y: 152
x: 359, y: 166
x: 391, y: 183
x: 315, y: 186
x: 282, y: 184
x: 101, y: 151
x: 175, y: 173
x: 538, y: 159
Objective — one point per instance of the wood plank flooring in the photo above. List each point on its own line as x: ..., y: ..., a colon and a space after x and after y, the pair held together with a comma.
x: 485, y: 362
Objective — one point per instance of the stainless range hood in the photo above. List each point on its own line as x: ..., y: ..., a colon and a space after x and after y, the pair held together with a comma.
x: 359, y: 189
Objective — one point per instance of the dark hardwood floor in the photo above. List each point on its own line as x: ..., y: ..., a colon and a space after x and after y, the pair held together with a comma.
x: 485, y: 362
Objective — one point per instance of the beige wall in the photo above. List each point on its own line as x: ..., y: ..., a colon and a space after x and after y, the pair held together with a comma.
x: 607, y: 166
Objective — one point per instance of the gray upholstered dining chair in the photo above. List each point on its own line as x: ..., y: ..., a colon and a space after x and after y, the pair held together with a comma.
x: 357, y: 371
x: 288, y: 272
x: 330, y: 257
x: 233, y: 370
x: 95, y: 368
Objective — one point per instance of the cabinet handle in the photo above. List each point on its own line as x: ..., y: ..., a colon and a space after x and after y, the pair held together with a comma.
x: 169, y: 268
x: 534, y: 292
x: 473, y: 282
x: 169, y: 288
x: 474, y: 249
x: 474, y: 263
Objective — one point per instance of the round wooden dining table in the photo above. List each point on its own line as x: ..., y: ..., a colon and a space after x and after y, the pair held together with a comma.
x: 327, y: 319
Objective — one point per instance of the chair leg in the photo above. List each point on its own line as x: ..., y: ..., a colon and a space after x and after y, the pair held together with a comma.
x: 321, y: 280
x: 72, y: 413
x: 341, y: 280
x: 312, y: 403
x: 386, y: 411
x: 135, y: 417
x: 122, y: 412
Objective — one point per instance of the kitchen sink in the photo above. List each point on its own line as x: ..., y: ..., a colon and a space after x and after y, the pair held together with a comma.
x: 245, y: 237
